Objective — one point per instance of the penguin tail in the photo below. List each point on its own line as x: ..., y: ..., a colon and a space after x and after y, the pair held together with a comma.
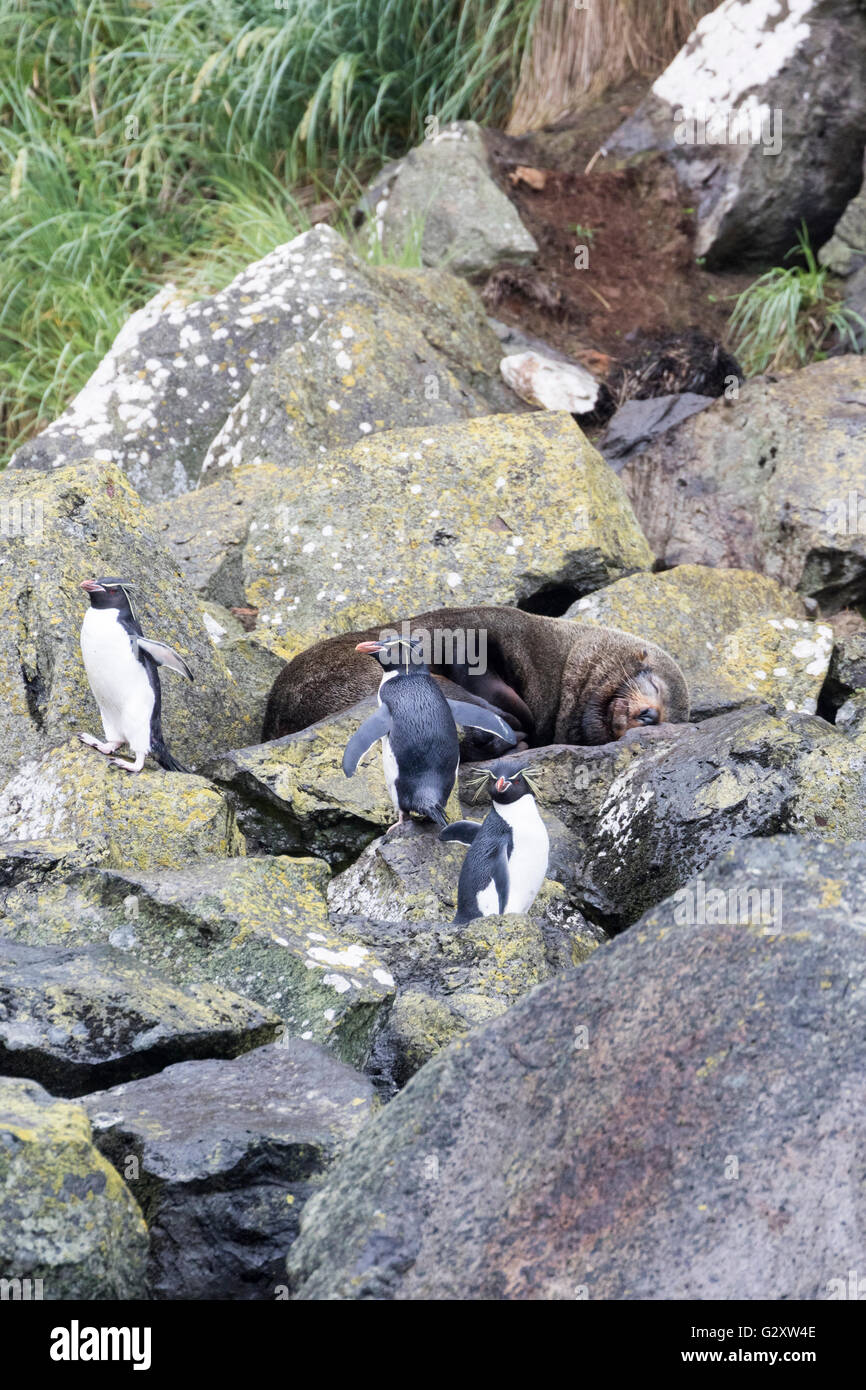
x: 165, y: 759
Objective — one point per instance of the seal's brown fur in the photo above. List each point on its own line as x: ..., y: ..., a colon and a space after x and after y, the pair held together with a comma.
x: 553, y: 680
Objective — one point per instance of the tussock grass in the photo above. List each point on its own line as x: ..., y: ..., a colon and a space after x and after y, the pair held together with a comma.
x: 142, y: 140
x: 577, y: 52
x: 787, y: 316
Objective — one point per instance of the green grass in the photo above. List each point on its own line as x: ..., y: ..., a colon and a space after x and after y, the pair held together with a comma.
x: 789, y: 314
x: 142, y: 140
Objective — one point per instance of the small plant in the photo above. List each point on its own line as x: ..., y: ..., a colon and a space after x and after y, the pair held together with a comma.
x: 584, y: 233
x: 786, y: 316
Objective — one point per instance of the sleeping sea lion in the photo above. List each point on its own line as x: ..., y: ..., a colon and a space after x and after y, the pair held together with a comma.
x: 550, y: 679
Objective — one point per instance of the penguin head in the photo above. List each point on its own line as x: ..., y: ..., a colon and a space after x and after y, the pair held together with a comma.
x: 402, y: 656
x: 109, y: 593
x: 505, y: 785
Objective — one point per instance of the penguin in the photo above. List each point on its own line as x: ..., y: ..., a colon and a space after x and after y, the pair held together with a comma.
x: 121, y: 665
x: 508, y: 852
x: 418, y: 729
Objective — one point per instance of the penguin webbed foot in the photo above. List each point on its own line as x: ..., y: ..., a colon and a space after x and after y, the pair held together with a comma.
x: 106, y: 749
x: 127, y: 766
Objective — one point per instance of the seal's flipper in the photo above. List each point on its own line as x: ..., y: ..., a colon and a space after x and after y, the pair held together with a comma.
x: 164, y: 655
x: 474, y: 717
x: 372, y: 729
x: 464, y: 831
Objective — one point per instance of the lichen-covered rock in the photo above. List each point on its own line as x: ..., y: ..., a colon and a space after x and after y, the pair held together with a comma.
x: 769, y: 482
x: 75, y: 1020
x: 845, y: 252
x: 492, y: 510
x: 847, y: 671
x: 142, y: 820
x: 738, y: 636
x: 443, y: 200
x: 177, y: 368
x: 365, y: 369
x: 66, y: 1218
x: 255, y: 926
x: 76, y: 524
x: 755, y: 152
x: 223, y: 1155
x: 292, y: 795
x: 643, y: 815
x: 679, y: 1118
x: 205, y: 531
x: 451, y: 978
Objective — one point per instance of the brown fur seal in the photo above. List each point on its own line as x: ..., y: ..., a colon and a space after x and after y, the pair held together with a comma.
x: 552, y: 680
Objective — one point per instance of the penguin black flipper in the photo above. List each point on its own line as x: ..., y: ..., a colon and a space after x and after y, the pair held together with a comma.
x: 489, y: 866
x: 164, y: 655
x: 372, y: 729
x: 464, y: 831
x: 474, y: 717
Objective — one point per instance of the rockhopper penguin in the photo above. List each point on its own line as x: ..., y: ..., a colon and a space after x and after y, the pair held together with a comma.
x: 416, y: 723
x: 121, y: 665
x: 508, y: 853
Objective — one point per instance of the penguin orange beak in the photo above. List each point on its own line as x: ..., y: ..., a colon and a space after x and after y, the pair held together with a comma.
x: 501, y: 784
x: 369, y: 647
x: 90, y: 586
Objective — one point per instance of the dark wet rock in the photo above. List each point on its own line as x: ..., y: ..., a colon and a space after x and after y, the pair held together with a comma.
x: 73, y: 1020
x: 222, y: 1156
x: 678, y: 1118
x: 643, y: 815
x: 637, y: 422
x: 754, y: 152
x: 768, y: 482
x: 255, y: 926
x: 69, y: 1229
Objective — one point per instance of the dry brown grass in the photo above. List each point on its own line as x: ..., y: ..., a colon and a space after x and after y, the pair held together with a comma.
x: 577, y: 53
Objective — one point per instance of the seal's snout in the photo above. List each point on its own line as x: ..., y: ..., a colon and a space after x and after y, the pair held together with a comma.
x: 648, y: 716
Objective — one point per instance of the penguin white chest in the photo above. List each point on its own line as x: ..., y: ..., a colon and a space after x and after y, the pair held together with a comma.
x: 117, y: 678
x: 530, y: 853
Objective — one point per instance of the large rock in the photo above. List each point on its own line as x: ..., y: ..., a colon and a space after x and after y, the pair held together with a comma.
x: 845, y: 252
x: 292, y: 796
x: 643, y: 815
x: 679, y: 1118
x: 75, y: 1020
x: 143, y: 820
x: 223, y: 1156
x: 442, y: 201
x: 769, y: 482
x: 738, y: 636
x: 76, y: 524
x: 177, y: 368
x: 760, y: 114
x: 255, y: 926
x: 365, y: 369
x: 66, y: 1219
x: 503, y: 509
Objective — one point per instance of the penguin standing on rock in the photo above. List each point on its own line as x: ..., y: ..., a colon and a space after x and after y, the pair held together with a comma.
x: 121, y: 665
x: 416, y: 723
x: 508, y: 853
